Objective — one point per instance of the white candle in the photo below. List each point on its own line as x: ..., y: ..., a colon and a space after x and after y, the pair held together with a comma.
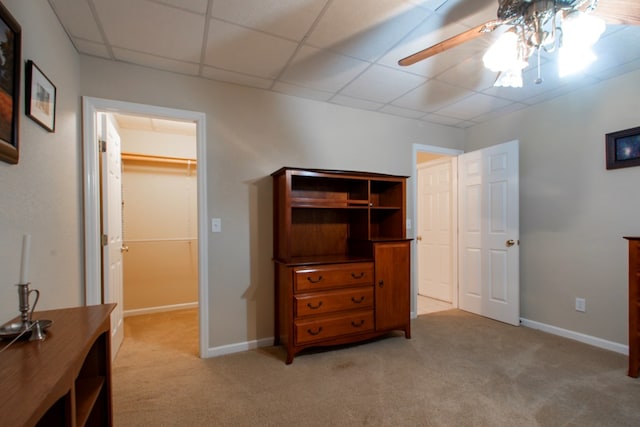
x: 24, y: 266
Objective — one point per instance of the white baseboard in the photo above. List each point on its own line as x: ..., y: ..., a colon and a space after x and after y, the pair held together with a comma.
x: 239, y: 347
x: 577, y: 336
x: 160, y: 309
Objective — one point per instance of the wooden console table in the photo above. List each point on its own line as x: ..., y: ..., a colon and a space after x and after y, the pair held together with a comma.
x: 64, y: 380
x: 634, y: 306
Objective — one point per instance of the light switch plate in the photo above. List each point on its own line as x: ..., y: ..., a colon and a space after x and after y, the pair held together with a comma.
x: 216, y: 225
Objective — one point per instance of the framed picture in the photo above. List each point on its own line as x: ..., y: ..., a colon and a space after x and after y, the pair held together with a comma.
x: 623, y: 148
x: 41, y: 97
x: 10, y: 60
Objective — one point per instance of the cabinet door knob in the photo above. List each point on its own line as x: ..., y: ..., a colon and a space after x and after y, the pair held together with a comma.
x: 381, y: 283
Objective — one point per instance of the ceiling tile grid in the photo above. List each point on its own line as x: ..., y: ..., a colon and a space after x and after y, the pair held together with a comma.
x: 339, y: 51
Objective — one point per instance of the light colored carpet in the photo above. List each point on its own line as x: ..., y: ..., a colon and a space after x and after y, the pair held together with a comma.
x: 458, y: 370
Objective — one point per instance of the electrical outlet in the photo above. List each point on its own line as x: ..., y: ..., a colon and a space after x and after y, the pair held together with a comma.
x: 581, y: 305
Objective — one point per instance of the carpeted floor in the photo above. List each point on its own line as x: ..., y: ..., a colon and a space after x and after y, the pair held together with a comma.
x: 458, y: 370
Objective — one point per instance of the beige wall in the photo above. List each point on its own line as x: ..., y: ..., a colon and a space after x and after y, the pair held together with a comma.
x: 250, y: 134
x: 41, y: 195
x: 574, y: 212
x: 160, y: 222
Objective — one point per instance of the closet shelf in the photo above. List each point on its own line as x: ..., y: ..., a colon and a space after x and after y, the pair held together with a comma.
x: 133, y: 157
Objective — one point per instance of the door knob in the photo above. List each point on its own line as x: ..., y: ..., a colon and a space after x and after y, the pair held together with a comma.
x: 124, y: 249
x: 419, y: 238
x: 509, y: 243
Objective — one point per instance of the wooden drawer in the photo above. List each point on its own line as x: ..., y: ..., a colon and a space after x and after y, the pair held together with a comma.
x: 333, y: 276
x: 322, y: 328
x: 330, y: 301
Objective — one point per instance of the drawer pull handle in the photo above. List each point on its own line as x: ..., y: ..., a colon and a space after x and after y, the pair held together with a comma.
x: 357, y: 276
x: 316, y: 280
x: 316, y: 332
x: 314, y: 307
x: 357, y: 325
x: 355, y: 301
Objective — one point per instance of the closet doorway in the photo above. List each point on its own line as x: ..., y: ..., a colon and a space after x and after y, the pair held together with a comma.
x: 159, y: 214
x: 435, y: 229
x: 96, y: 291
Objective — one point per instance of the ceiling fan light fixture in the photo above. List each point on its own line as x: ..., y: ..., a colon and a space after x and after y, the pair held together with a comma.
x: 580, y: 31
x: 505, y: 54
x: 509, y: 78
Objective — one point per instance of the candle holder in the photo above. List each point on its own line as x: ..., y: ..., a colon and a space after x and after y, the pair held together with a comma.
x: 26, y: 327
x: 24, y: 292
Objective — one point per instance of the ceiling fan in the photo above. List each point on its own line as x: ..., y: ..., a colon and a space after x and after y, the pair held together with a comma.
x: 533, y: 25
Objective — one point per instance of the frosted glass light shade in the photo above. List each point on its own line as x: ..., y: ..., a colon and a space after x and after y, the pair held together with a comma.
x: 504, y: 54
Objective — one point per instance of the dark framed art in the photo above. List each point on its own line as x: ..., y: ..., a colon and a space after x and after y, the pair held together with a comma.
x: 10, y: 58
x: 623, y: 148
x: 40, y: 103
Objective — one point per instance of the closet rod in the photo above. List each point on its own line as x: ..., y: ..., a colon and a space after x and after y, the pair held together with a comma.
x: 158, y: 159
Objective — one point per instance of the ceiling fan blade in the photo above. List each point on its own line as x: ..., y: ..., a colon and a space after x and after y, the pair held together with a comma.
x: 454, y: 41
x: 625, y: 12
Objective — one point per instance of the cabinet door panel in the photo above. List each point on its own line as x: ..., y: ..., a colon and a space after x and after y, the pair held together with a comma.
x: 392, y: 284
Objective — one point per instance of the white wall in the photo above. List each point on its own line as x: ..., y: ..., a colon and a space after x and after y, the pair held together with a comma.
x: 250, y: 134
x: 41, y: 195
x: 574, y: 212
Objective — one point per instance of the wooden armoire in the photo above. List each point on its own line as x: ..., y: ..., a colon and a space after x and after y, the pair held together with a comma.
x: 342, y: 259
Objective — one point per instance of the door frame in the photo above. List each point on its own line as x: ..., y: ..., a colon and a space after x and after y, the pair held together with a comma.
x: 414, y: 230
x: 91, y: 180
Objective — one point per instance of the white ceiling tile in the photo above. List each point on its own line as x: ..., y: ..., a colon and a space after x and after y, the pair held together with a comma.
x: 197, y: 6
x: 403, y: 112
x: 616, y: 49
x: 156, y: 62
x: 152, y: 28
x: 473, y: 106
x: 303, y: 92
x: 290, y: 19
x: 431, y: 96
x: 469, y: 73
x: 382, y: 84
x: 78, y: 19
x: 616, y: 71
x: 365, y: 32
x: 322, y: 70
x: 235, y: 48
x: 442, y: 120
x: 237, y: 78
x: 470, y: 13
x: 355, y: 103
x: 91, y: 48
x: 498, y: 112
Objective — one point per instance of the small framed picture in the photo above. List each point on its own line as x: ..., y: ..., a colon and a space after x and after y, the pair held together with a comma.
x: 40, y: 97
x: 623, y: 148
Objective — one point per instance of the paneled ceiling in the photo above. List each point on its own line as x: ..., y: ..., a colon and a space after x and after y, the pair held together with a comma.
x: 339, y: 51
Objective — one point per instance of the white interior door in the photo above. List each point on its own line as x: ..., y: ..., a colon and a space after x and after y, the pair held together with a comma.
x: 489, y: 232
x: 112, y: 226
x: 435, y: 231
